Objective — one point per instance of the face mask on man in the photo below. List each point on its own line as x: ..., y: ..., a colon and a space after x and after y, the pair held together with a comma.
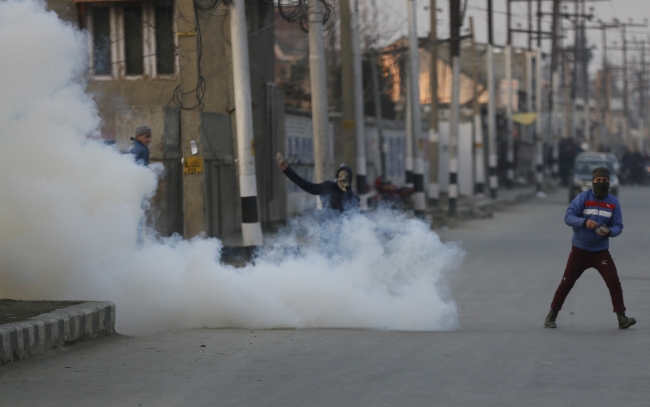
x: 343, y: 180
x: 601, y: 189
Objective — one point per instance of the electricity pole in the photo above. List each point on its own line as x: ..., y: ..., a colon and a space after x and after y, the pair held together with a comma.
x: 349, y: 43
x: 555, y: 87
x: 434, y: 138
x: 510, y: 165
x: 479, y: 160
x: 194, y: 213
x: 419, y: 197
x: 492, y: 125
x: 454, y: 18
x: 251, y: 227
x: 378, y: 114
x: 318, y: 79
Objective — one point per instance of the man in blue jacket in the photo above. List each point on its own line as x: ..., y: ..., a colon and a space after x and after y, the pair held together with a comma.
x: 595, y: 216
x: 140, y: 147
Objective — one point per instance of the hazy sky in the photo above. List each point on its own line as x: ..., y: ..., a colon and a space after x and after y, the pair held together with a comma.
x: 604, y: 10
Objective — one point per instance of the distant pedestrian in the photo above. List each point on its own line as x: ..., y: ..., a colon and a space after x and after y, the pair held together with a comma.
x: 595, y: 216
x: 140, y: 147
x: 337, y: 195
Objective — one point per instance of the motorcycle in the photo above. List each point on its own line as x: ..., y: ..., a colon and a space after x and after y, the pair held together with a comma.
x: 392, y: 196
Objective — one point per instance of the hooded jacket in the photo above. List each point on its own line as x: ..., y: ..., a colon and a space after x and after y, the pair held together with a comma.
x: 585, y: 207
x: 329, y: 192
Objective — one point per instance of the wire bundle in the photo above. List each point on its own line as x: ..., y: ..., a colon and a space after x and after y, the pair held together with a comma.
x: 298, y: 11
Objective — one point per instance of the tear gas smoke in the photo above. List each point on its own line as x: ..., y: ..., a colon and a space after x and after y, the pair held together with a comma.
x: 70, y: 209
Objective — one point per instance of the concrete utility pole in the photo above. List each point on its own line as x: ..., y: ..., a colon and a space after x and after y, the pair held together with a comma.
x: 568, y: 103
x: 318, y: 79
x: 454, y: 18
x: 626, y: 105
x: 434, y: 138
x: 530, y: 24
x: 510, y: 163
x: 409, y: 127
x: 194, y: 214
x: 251, y: 227
x: 510, y: 159
x: 492, y: 118
x: 479, y: 159
x: 604, y: 101
x: 419, y: 197
x: 539, y: 139
x: 585, y: 78
x: 543, y: 137
x: 350, y: 153
x: 608, y: 72
x: 642, y: 98
x: 606, y: 93
x: 555, y: 79
x: 378, y: 114
x: 359, y: 116
x: 530, y: 90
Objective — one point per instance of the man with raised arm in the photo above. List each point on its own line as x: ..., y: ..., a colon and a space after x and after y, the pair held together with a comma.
x: 334, y: 195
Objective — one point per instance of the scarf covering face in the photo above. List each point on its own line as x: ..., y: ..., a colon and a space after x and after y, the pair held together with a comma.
x: 343, y: 180
x: 601, y: 189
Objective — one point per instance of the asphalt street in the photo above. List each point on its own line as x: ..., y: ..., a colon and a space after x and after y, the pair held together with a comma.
x: 499, y: 356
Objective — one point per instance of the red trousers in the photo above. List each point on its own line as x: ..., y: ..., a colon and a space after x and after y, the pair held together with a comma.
x: 579, y: 261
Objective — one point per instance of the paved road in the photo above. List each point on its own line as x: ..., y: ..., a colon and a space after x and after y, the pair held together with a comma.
x: 499, y: 356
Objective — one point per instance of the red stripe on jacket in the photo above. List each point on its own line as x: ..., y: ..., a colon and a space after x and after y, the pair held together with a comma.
x: 598, y: 204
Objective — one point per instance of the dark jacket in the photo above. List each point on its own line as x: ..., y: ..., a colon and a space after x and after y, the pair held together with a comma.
x: 585, y: 207
x: 329, y: 192
x: 140, y: 152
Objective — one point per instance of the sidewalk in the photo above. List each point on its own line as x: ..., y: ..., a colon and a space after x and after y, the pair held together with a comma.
x: 482, y: 207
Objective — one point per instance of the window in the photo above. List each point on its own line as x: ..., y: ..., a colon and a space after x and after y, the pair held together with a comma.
x: 165, y: 59
x: 101, y: 41
x: 135, y: 40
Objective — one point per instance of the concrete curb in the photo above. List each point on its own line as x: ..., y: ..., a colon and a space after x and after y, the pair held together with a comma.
x: 478, y: 208
x: 493, y: 205
x: 48, y: 331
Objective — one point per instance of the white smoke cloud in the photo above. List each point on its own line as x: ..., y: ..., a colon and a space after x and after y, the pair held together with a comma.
x: 70, y: 208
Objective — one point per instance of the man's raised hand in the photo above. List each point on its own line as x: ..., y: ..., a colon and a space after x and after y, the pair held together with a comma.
x: 283, y: 164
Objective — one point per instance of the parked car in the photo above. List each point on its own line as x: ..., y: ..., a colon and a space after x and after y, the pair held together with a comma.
x: 582, y: 174
x: 611, y: 157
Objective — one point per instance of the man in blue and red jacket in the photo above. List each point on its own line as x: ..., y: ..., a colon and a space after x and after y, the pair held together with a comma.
x: 595, y: 216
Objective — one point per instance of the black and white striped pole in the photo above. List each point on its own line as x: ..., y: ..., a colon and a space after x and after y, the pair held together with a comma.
x: 359, y: 117
x: 493, y: 178
x: 538, y: 124
x: 318, y: 78
x: 409, y: 130
x: 419, y: 197
x: 251, y: 227
x: 509, y: 128
x: 454, y: 11
x: 479, y: 159
x: 433, y: 191
x: 555, y: 122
